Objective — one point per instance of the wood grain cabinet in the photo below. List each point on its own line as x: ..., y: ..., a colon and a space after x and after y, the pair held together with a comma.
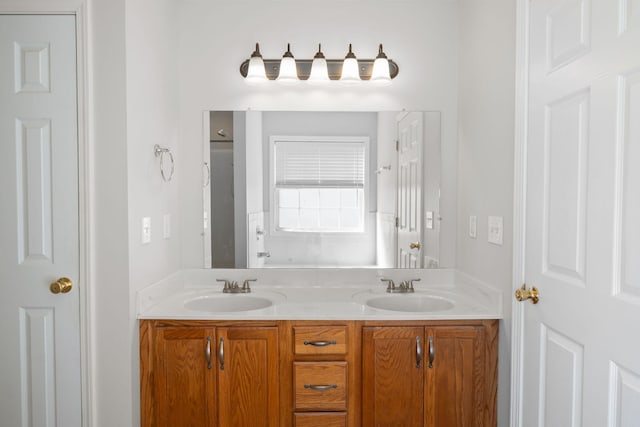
x: 318, y: 373
x: 200, y: 374
x: 437, y: 374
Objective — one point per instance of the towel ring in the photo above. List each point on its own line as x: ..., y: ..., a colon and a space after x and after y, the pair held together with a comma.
x: 160, y: 152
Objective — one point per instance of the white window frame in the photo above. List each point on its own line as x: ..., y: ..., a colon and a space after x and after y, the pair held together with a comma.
x: 273, y: 214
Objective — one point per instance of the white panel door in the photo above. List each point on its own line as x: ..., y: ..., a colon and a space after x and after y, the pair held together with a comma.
x: 410, y: 138
x: 40, y: 371
x: 581, y: 350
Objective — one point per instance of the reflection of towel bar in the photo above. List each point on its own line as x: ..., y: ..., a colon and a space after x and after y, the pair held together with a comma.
x: 160, y: 152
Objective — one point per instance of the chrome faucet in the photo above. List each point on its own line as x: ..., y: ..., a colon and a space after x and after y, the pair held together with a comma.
x: 232, y: 286
x: 406, y: 286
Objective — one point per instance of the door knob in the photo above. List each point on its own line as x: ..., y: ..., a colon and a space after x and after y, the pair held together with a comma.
x: 415, y: 245
x: 62, y: 285
x: 524, y: 294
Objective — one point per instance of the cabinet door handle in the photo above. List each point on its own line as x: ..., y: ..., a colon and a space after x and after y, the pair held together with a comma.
x: 418, y: 352
x: 208, y: 352
x: 221, y: 354
x: 320, y: 343
x: 320, y: 387
x: 432, y: 352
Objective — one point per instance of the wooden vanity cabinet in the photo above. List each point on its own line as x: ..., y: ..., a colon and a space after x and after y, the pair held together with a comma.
x: 378, y: 373
x: 429, y: 374
x: 198, y: 373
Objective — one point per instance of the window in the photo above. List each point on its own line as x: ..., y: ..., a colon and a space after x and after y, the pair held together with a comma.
x: 319, y: 183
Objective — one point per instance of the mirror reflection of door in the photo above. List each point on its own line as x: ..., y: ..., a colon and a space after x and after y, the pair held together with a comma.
x: 409, y: 222
x: 222, y: 190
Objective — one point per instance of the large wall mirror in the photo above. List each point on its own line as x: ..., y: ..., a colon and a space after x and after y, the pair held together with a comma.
x: 323, y: 189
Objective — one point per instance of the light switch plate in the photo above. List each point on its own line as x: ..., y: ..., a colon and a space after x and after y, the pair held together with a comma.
x: 495, y: 230
x: 473, y: 222
x: 146, y: 230
x: 429, y: 220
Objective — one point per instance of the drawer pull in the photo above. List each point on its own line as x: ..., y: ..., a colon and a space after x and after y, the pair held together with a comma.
x: 208, y: 352
x: 221, y: 354
x: 320, y: 343
x: 320, y: 387
x: 432, y: 352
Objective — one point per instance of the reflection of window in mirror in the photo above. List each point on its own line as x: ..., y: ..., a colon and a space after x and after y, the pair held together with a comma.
x: 319, y: 184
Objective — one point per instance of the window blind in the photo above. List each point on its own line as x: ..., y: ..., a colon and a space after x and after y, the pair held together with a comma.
x: 319, y: 164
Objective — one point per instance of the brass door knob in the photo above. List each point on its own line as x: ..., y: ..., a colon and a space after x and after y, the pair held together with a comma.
x: 524, y: 294
x: 61, y: 286
x: 415, y: 245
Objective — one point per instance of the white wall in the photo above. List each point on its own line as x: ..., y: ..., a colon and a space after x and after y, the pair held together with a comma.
x: 112, y: 337
x: 151, y: 118
x: 485, y: 162
x: 215, y: 37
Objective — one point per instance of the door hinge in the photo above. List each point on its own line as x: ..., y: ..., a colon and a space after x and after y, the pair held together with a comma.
x: 397, y: 145
x: 397, y: 222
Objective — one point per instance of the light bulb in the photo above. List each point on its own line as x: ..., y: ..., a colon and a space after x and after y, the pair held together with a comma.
x: 319, y: 72
x: 256, y: 73
x: 288, y: 73
x: 350, y: 72
x: 380, y: 74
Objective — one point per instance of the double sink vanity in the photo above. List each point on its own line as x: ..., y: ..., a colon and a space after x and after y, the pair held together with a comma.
x: 319, y: 348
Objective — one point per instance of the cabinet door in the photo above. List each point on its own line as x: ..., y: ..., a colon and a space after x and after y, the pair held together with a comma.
x: 455, y: 376
x: 247, y: 376
x: 392, y: 376
x: 184, y: 380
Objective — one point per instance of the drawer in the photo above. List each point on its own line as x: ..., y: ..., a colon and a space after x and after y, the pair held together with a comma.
x: 320, y: 340
x: 315, y: 419
x: 320, y: 386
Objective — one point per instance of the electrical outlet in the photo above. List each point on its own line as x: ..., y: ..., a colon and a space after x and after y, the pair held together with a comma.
x: 166, y: 226
x: 146, y: 230
x: 473, y: 222
x: 495, y: 230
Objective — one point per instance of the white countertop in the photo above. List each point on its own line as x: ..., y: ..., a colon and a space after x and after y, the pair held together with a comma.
x: 319, y: 294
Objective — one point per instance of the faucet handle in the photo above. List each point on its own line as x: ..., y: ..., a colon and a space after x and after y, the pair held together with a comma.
x: 410, y: 283
x: 245, y: 284
x: 227, y: 284
x: 390, y: 284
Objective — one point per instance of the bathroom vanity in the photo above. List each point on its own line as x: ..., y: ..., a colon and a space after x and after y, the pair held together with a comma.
x: 318, y: 355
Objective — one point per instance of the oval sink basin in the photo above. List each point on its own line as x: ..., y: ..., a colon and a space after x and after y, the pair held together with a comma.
x: 410, y: 303
x: 227, y: 303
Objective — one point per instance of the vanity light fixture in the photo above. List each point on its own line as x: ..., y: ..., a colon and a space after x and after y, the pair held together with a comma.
x: 380, y: 74
x: 256, y: 73
x: 350, y: 69
x: 319, y: 70
x: 288, y: 72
